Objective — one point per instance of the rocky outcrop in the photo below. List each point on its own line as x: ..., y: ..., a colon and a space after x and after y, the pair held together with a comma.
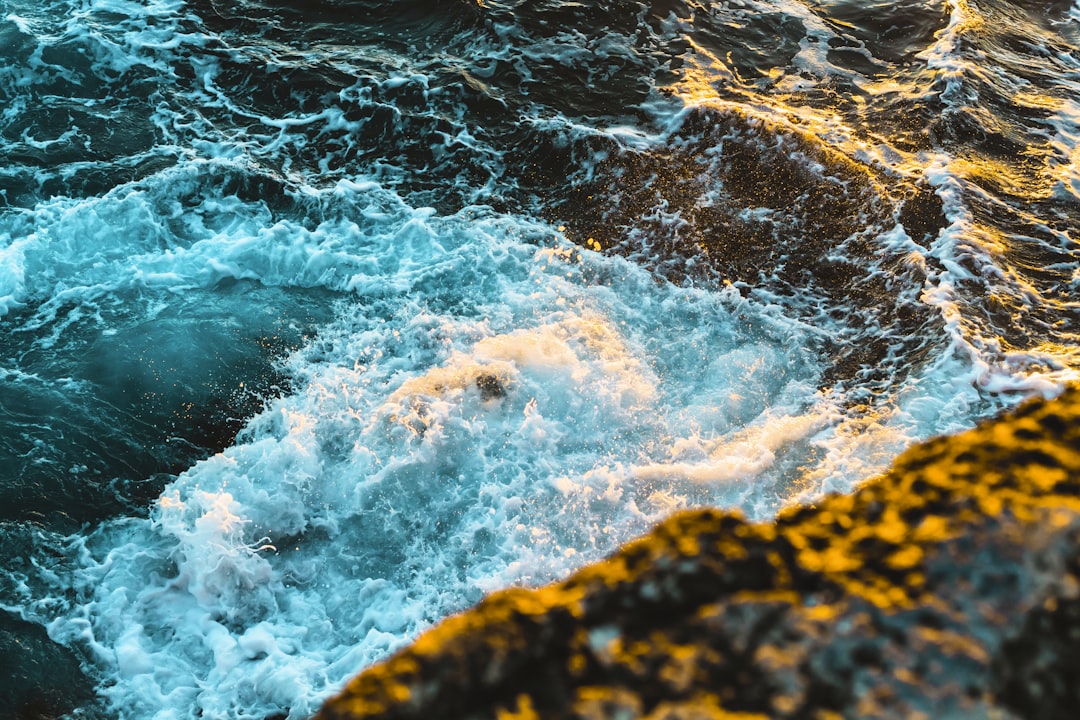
x: 949, y: 587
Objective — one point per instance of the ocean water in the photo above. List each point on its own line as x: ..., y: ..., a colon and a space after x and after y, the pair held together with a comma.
x: 320, y: 320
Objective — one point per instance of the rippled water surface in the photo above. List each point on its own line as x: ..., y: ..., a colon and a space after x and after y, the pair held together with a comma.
x: 320, y: 320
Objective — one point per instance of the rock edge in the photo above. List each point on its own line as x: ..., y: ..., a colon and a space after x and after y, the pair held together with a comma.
x: 948, y: 587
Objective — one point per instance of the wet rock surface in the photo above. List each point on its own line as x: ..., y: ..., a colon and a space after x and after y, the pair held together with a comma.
x: 949, y: 587
x: 771, y: 209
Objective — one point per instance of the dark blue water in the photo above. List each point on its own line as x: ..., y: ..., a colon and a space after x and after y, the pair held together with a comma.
x: 320, y: 320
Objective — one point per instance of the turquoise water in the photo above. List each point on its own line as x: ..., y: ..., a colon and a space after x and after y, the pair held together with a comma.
x: 321, y: 321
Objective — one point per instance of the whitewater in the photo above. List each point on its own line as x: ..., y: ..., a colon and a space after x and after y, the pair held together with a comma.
x: 320, y: 321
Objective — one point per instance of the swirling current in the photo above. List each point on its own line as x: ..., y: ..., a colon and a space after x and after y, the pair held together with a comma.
x: 320, y: 320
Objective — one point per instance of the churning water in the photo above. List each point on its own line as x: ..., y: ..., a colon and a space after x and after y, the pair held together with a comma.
x: 319, y: 320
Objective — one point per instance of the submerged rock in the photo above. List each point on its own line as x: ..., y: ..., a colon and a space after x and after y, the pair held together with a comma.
x: 949, y: 587
x: 767, y: 206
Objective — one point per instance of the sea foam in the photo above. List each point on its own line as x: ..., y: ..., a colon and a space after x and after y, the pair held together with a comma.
x: 472, y: 401
x: 488, y: 405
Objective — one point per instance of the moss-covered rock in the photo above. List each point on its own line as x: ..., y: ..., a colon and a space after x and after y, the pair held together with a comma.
x: 949, y: 587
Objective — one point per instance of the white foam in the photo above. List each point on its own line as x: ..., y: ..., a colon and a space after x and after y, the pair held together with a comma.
x: 1065, y: 166
x: 967, y: 257
x: 491, y: 406
x: 947, y: 60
